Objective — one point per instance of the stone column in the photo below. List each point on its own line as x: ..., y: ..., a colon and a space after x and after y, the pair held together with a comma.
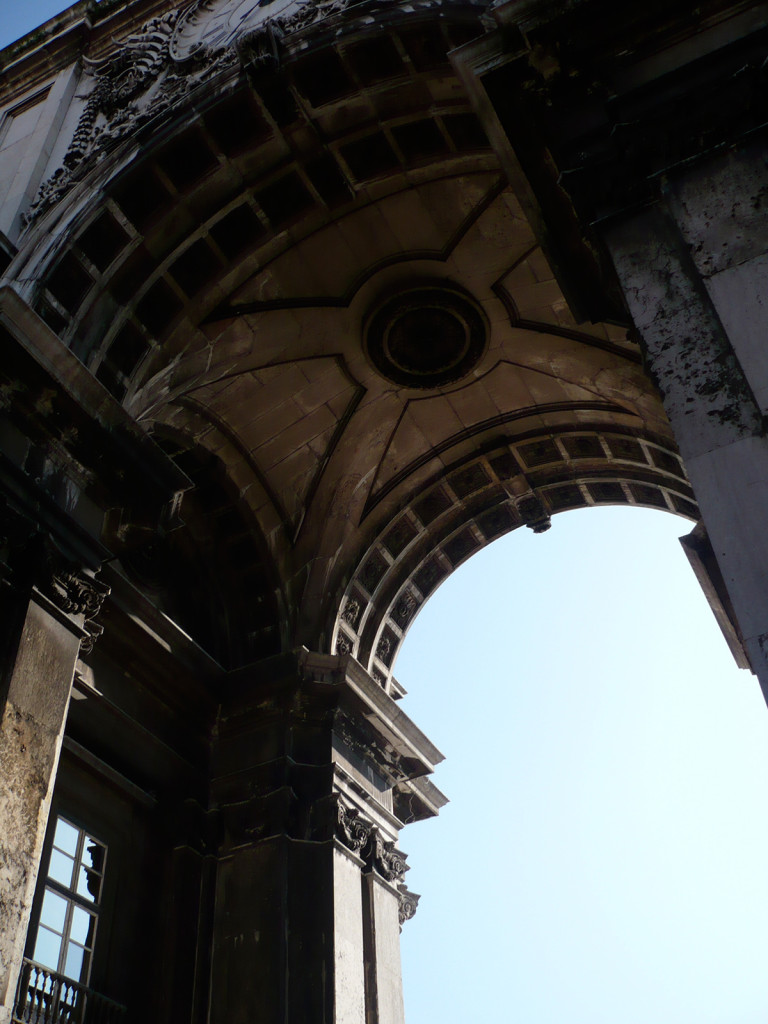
x: 43, y: 634
x: 313, y: 769
x: 694, y: 288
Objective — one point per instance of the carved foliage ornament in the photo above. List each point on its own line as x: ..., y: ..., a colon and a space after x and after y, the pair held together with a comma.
x: 387, y: 859
x: 343, y: 644
x: 384, y: 648
x: 364, y: 839
x: 78, y: 593
x: 353, y: 831
x: 404, y: 609
x: 135, y: 85
x: 158, y: 66
x: 351, y: 613
x: 407, y: 903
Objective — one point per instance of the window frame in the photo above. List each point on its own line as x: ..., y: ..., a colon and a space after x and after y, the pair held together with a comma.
x: 73, y: 899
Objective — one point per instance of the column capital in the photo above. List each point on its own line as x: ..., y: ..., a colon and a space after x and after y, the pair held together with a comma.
x: 35, y: 565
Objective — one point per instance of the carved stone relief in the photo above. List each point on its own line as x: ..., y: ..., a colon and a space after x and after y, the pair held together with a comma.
x: 379, y: 854
x: 157, y: 67
x: 343, y: 644
x: 353, y: 831
x: 384, y: 648
x: 30, y: 559
x: 79, y: 593
x: 408, y: 903
x: 135, y: 85
x: 404, y: 609
x: 385, y: 858
x: 351, y: 613
x: 533, y: 513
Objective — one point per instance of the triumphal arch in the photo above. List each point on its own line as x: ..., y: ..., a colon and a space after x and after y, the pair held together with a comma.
x: 302, y: 302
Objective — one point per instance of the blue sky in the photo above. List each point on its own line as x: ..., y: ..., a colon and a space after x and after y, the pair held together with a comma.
x: 603, y: 857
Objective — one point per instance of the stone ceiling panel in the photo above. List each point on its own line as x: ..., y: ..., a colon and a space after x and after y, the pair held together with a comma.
x: 426, y: 221
x: 285, y: 418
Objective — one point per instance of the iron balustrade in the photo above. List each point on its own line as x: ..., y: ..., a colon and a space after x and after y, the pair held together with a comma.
x: 45, y: 997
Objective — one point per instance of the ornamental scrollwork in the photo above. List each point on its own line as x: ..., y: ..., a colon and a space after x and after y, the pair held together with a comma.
x: 352, y: 829
x: 155, y: 68
x: 404, y: 609
x: 387, y: 860
x: 351, y: 613
x: 363, y: 838
x: 79, y: 593
x: 384, y: 649
x: 408, y: 902
x: 343, y: 644
x: 137, y: 84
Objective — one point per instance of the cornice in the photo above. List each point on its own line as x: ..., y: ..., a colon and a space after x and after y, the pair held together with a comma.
x: 88, y: 28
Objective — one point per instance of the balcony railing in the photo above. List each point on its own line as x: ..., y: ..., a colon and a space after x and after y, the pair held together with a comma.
x: 44, y: 997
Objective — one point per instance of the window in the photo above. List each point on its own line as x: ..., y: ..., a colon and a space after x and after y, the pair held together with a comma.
x: 70, y: 907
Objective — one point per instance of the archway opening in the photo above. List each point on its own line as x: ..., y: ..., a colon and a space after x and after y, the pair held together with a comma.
x: 603, y: 855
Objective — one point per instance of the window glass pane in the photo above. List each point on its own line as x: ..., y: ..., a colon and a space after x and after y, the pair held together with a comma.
x: 74, y: 965
x: 53, y: 911
x: 88, y: 884
x: 65, y: 837
x: 61, y: 867
x: 47, y: 948
x: 83, y: 926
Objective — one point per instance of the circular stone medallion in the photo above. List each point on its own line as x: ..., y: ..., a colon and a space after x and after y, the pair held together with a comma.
x: 426, y: 337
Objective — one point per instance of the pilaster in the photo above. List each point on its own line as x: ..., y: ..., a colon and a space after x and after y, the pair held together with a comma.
x: 314, y: 766
x: 45, y: 628
x: 709, y: 373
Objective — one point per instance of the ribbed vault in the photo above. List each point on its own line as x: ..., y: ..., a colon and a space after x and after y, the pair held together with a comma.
x: 310, y: 271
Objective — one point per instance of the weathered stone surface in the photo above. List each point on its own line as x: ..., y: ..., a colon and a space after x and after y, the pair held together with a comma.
x: 34, y: 704
x: 304, y: 790
x: 340, y: 274
x: 718, y: 424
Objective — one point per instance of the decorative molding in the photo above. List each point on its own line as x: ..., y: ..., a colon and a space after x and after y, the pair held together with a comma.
x: 384, y: 649
x: 533, y: 513
x: 157, y: 67
x: 351, y: 613
x: 29, y: 558
x: 365, y: 839
x: 343, y: 644
x: 408, y: 902
x: 386, y: 859
x: 405, y: 606
x: 77, y: 592
x: 137, y: 84
x: 352, y: 829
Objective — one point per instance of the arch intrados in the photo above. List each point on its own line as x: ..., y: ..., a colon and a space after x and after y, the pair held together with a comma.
x: 169, y: 341
x: 481, y: 499
x: 76, y: 213
x: 242, y: 604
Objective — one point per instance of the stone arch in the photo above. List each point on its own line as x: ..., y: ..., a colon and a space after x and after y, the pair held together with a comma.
x: 481, y: 499
x: 139, y: 235
x: 255, y: 267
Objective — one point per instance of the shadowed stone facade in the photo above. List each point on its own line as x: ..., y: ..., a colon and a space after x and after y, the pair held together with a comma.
x: 303, y: 303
